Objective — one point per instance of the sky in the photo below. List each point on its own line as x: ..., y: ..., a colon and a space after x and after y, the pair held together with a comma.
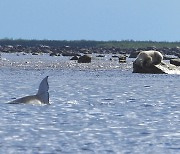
x: 101, y: 20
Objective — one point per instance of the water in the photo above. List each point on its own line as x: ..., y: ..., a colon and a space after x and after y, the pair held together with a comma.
x: 93, y: 110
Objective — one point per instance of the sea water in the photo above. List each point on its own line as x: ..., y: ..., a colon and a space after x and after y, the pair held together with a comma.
x: 109, y: 110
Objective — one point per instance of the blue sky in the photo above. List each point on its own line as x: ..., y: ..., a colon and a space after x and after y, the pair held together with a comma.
x: 156, y: 20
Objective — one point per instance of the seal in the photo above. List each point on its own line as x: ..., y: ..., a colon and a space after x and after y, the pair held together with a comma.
x: 42, y: 96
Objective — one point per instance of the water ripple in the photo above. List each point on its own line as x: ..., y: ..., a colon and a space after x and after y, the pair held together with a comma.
x: 91, y: 111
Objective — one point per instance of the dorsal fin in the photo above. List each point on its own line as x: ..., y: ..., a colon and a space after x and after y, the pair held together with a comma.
x: 43, y: 93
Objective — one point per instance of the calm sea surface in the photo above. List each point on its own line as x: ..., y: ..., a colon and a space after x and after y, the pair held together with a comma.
x: 95, y: 108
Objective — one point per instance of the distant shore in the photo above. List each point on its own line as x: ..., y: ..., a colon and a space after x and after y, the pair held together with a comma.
x: 28, y: 53
x: 83, y: 46
x: 124, y: 44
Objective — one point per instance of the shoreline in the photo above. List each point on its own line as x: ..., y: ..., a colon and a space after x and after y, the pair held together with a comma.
x: 44, y: 61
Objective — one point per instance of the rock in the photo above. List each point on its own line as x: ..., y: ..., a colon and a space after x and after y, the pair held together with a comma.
x: 175, y: 62
x: 169, y: 57
x: 84, y: 59
x: 162, y: 68
x: 152, y: 62
x: 100, y: 56
x: 74, y: 58
x: 151, y: 69
x: 68, y: 54
x: 134, y: 54
x: 151, y: 48
x: 115, y: 56
x: 122, y: 58
x: 122, y: 61
x: 54, y: 54
x: 34, y: 53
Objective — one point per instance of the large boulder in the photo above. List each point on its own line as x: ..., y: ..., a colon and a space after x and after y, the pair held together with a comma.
x: 162, y: 68
x: 175, y: 62
x: 146, y: 62
x: 84, y: 59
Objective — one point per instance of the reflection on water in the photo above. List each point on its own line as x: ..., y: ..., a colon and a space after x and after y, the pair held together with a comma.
x: 91, y: 111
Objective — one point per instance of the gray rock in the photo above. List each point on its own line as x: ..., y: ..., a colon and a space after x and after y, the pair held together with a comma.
x: 100, y: 56
x: 54, y: 54
x: 122, y: 59
x: 162, y: 68
x: 84, y: 59
x: 134, y: 54
x: 175, y: 62
x: 74, y: 58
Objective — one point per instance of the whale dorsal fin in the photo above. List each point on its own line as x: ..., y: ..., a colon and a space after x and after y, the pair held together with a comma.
x: 43, y: 93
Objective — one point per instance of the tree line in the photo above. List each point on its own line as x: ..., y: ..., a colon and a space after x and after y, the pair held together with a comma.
x: 124, y: 44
